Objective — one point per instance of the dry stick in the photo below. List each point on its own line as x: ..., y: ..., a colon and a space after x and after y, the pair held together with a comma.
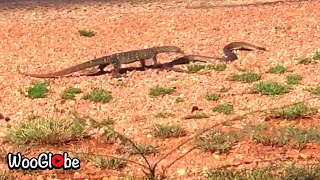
x: 205, y: 130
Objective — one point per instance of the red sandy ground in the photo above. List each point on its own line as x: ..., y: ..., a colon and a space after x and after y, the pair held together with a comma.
x: 46, y: 38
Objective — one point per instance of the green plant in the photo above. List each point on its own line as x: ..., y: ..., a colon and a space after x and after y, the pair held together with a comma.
x: 48, y: 131
x: 87, y: 33
x: 195, y: 68
x: 98, y: 95
x: 70, y: 93
x: 294, y: 112
x: 217, y: 67
x: 163, y: 115
x: 277, y: 70
x: 223, y: 108
x: 269, y: 88
x: 158, y: 91
x: 316, y: 55
x: 212, y: 97
x: 315, y: 90
x: 115, y: 163
x: 305, y: 61
x: 37, y: 90
x: 246, y: 77
x: 294, y: 79
x: 167, y: 131
x: 142, y: 149
x: 218, y: 141
x: 179, y: 100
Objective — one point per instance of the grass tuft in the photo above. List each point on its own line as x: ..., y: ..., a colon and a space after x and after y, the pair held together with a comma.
x: 269, y: 88
x: 246, y: 77
x: 37, y: 90
x: 158, y: 91
x: 98, y: 95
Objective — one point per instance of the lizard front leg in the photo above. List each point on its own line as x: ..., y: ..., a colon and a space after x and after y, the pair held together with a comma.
x: 116, y: 63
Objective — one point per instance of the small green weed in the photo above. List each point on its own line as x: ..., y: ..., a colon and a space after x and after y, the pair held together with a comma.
x: 48, y: 131
x: 38, y: 90
x: 98, y: 95
x: 294, y: 79
x: 316, y: 55
x: 87, y: 33
x: 218, y: 141
x: 315, y: 90
x: 277, y: 70
x: 158, y: 91
x: 293, y: 112
x: 269, y: 88
x: 252, y: 174
x: 217, y: 67
x: 179, y: 100
x: 195, y: 68
x: 297, y: 173
x: 224, y: 89
x: 212, y: 97
x: 226, y: 109
x: 144, y: 149
x: 164, y: 115
x: 167, y: 131
x: 305, y: 61
x: 246, y: 77
x: 101, y: 162
x: 70, y: 93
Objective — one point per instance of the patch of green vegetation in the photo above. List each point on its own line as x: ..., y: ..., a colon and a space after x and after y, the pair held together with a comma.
x: 316, y: 55
x: 226, y: 109
x: 224, y: 89
x: 218, y: 141
x: 297, y: 173
x: 245, y: 77
x: 142, y: 149
x: 252, y: 174
x: 292, y: 172
x: 87, y: 33
x: 158, y: 91
x: 98, y: 95
x: 37, y: 90
x: 212, y: 97
x: 195, y: 68
x: 70, y: 93
x: 269, y: 88
x: 315, y: 90
x: 294, y: 79
x: 179, y: 100
x: 48, y: 131
x: 293, y: 112
x: 280, y: 136
x: 107, y: 122
x: 109, y: 136
x: 164, y: 115
x: 305, y: 61
x: 197, y: 116
x: 167, y: 131
x: 217, y: 67
x: 277, y: 70
x: 103, y: 163
x: 266, y: 135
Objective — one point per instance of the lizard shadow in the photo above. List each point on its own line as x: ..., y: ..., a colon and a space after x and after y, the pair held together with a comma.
x: 167, y: 65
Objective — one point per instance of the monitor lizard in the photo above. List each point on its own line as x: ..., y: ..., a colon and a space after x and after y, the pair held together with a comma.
x: 115, y: 59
